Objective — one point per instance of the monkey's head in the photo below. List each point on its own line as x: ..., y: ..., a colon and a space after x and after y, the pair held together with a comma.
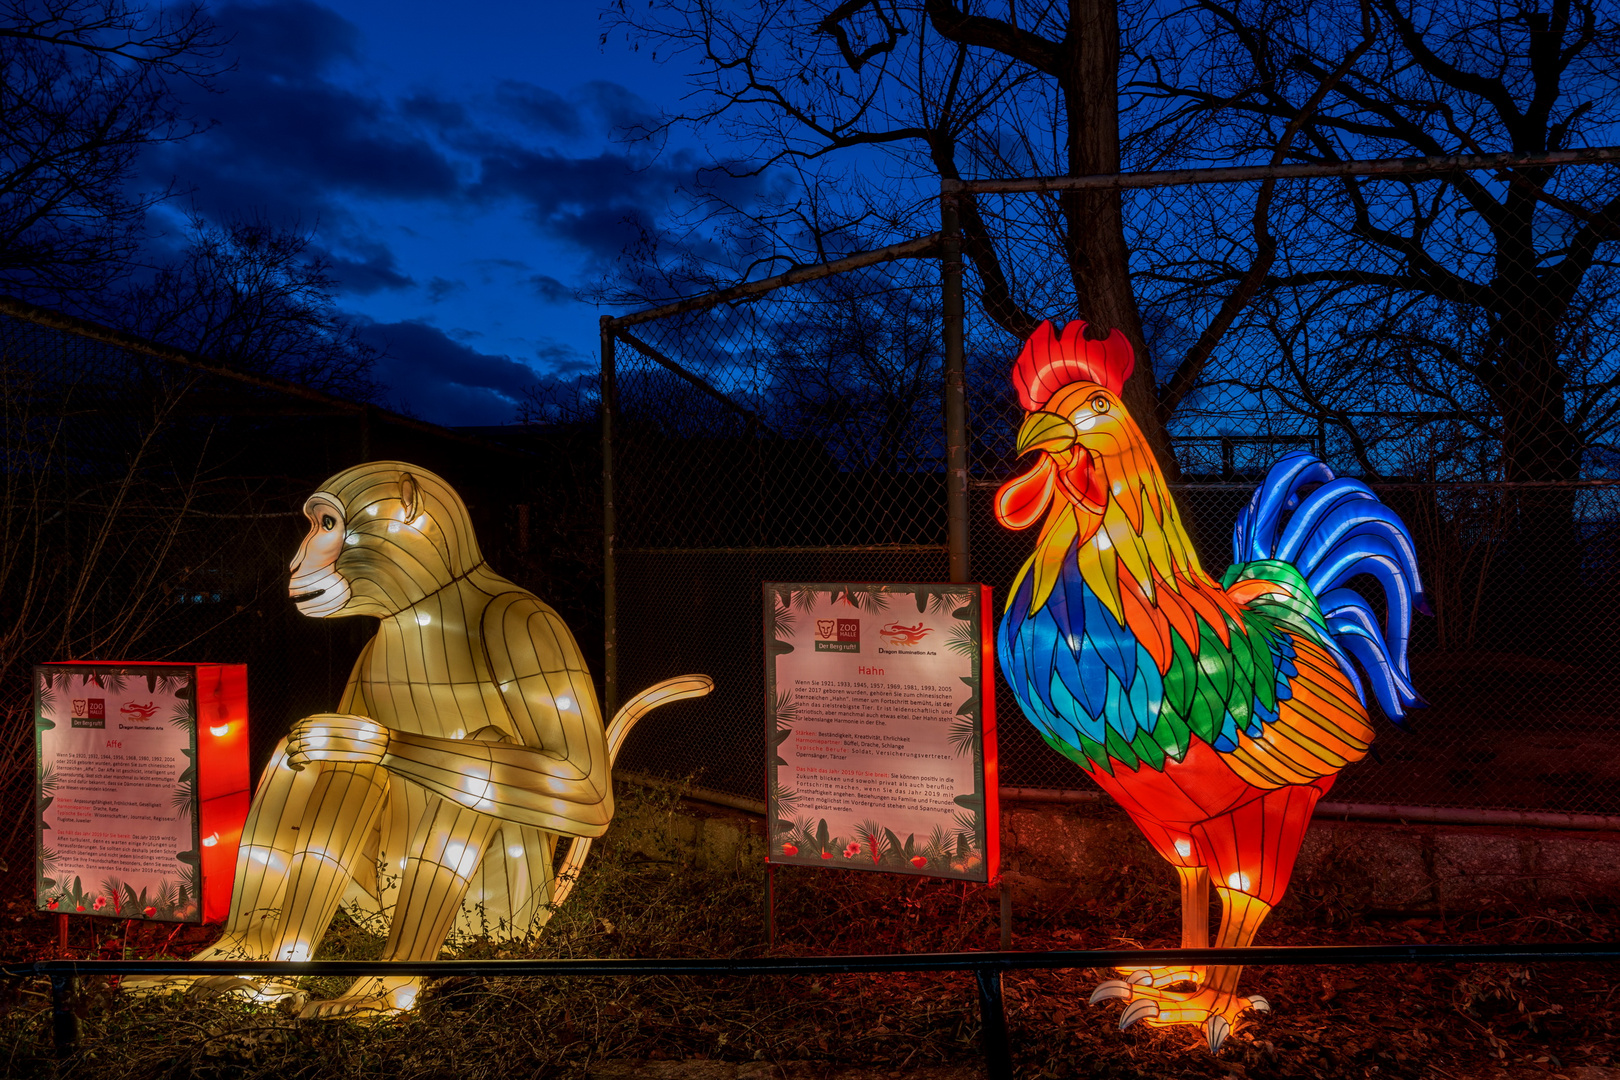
x: 382, y: 536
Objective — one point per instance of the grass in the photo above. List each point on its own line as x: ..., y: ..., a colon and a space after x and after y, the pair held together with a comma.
x: 636, y: 898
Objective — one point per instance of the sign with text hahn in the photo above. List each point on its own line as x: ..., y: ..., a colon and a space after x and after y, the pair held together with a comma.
x: 142, y: 788
x: 882, y: 738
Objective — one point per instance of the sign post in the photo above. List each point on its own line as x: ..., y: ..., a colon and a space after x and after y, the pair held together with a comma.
x: 142, y: 788
x: 882, y: 737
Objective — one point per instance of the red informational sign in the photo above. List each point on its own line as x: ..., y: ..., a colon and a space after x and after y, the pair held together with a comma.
x: 142, y: 788
x: 883, y: 739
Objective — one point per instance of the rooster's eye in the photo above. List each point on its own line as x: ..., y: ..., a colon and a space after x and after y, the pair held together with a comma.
x: 328, y: 521
x: 1099, y: 404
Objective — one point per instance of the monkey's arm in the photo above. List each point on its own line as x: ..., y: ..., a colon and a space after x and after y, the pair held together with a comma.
x: 484, y: 772
x: 501, y: 779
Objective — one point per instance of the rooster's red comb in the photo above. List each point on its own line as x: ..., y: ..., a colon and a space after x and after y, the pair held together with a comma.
x: 1050, y: 362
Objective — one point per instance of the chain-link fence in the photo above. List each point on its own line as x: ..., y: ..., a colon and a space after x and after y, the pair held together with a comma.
x: 151, y: 503
x: 1468, y: 369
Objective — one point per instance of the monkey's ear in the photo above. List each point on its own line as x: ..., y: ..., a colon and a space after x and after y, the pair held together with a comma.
x: 410, y: 493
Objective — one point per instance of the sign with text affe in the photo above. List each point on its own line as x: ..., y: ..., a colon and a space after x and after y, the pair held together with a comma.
x: 882, y: 737
x: 142, y: 788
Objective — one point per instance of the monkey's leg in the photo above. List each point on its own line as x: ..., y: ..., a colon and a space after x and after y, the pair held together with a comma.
x: 444, y: 853
x: 269, y: 837
x: 336, y: 824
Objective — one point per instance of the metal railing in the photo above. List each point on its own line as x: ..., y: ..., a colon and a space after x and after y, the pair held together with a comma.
x: 987, y: 968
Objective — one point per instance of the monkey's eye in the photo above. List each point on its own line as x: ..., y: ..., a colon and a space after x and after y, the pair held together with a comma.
x: 1099, y: 404
x: 328, y: 522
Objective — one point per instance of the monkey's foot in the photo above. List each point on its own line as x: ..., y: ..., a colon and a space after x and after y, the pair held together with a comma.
x: 144, y: 985
x: 265, y: 991
x: 1218, y: 1013
x: 367, y: 999
x: 202, y: 987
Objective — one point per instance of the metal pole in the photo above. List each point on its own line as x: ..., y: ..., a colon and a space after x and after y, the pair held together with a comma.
x: 610, y: 593
x: 993, y: 1025
x: 770, y: 906
x: 1006, y: 916
x: 64, y: 1023
x: 956, y: 450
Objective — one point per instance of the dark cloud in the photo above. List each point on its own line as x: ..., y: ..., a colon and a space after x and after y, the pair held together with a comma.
x: 596, y: 202
x: 440, y: 288
x: 564, y: 359
x: 550, y: 289
x: 371, y: 272
x: 539, y: 109
x: 288, y: 139
x: 444, y: 381
x: 627, y: 113
x: 288, y: 38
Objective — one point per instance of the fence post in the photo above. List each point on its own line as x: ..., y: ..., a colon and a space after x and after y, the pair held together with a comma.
x: 993, y: 1025
x: 956, y: 449
x: 610, y: 598
x: 64, y: 1021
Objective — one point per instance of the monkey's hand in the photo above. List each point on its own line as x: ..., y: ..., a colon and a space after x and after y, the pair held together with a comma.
x: 336, y: 737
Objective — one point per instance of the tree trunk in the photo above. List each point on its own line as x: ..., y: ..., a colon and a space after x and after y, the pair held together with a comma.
x: 1094, y: 220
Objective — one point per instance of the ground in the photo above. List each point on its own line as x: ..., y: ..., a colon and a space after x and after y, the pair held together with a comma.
x: 637, y: 899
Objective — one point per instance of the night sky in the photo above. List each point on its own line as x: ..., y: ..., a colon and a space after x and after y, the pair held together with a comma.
x: 457, y: 164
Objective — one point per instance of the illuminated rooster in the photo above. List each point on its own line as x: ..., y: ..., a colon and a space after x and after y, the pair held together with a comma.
x: 1216, y: 714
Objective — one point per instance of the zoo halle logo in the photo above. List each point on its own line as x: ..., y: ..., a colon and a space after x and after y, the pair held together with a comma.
x: 838, y: 635
x: 89, y: 712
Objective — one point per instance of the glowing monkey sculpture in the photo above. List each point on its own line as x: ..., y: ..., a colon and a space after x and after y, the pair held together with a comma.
x: 467, y: 741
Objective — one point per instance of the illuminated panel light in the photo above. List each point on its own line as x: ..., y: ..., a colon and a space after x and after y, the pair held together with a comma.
x: 219, y: 730
x: 1238, y: 881
x: 1184, y: 848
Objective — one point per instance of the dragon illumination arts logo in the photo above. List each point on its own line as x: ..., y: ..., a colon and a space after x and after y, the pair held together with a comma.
x: 133, y: 711
x: 838, y: 635
x: 908, y: 636
x: 89, y: 712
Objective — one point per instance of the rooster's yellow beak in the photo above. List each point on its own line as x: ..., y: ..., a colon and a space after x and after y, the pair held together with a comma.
x: 1045, y: 431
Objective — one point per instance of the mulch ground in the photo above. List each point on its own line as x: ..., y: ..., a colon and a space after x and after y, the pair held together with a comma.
x: 1419, y: 1021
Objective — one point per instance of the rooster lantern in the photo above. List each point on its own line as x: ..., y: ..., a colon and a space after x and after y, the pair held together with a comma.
x: 1216, y: 714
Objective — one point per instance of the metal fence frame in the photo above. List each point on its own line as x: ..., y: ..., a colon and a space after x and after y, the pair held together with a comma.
x: 946, y: 245
x: 987, y: 968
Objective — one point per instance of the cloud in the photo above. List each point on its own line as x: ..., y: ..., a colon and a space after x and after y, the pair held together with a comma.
x: 539, y: 109
x: 371, y: 272
x: 440, y: 288
x: 288, y: 138
x: 598, y: 202
x: 564, y: 359
x: 444, y: 381
x: 550, y: 289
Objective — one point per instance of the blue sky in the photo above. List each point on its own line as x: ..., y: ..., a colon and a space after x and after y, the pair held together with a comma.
x: 457, y: 165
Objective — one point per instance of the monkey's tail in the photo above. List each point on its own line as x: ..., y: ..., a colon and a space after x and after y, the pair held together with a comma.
x: 680, y: 688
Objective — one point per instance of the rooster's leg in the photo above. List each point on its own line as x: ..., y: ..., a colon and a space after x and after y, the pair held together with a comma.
x: 1215, y: 1005
x: 1194, y: 933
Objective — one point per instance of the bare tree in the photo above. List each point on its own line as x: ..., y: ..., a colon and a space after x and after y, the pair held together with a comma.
x: 850, y: 112
x: 1498, y: 266
x: 85, y: 87
x: 254, y: 297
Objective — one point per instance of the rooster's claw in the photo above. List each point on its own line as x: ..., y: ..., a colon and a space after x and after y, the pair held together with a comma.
x: 1137, y: 1010
x: 1259, y: 1004
x: 1112, y: 988
x: 1216, y: 1030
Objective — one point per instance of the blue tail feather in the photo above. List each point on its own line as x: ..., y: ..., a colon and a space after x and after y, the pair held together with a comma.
x: 1334, y: 533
